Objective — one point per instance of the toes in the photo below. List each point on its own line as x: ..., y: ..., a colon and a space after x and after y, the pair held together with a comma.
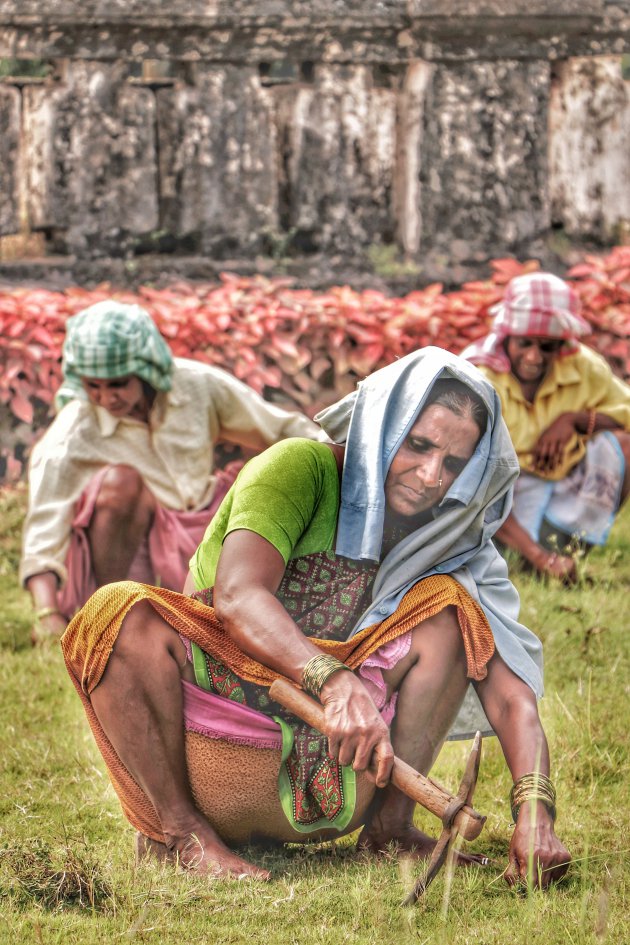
x: 476, y: 859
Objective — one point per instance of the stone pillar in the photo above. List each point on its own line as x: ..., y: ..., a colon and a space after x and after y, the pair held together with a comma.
x: 409, y: 146
x: 10, y: 160
x: 218, y: 174
x: 92, y: 163
x: 339, y: 161
x: 483, y: 158
x: 590, y: 147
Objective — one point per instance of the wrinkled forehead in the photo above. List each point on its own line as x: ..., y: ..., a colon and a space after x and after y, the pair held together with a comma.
x: 404, y: 421
x: 437, y: 424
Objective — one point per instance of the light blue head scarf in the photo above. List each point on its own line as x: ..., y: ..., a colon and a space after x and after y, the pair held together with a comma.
x: 373, y: 421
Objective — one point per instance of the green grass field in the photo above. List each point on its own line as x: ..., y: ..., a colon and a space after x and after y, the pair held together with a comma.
x: 67, y: 872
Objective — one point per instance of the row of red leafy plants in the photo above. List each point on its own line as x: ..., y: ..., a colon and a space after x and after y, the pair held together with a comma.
x: 298, y: 347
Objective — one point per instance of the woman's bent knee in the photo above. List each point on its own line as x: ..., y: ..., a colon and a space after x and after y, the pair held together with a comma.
x: 437, y: 647
x: 144, y: 632
x: 440, y: 633
x: 122, y: 490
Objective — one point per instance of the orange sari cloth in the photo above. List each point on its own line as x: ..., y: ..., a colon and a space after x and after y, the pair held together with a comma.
x: 91, y: 635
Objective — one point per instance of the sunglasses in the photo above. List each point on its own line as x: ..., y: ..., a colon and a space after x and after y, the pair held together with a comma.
x: 552, y: 346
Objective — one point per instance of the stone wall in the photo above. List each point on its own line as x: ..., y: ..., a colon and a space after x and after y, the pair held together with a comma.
x: 590, y: 146
x: 451, y: 131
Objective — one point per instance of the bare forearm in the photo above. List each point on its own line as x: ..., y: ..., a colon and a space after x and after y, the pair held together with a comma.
x: 49, y: 621
x: 43, y: 589
x: 584, y: 421
x: 536, y: 854
x: 261, y: 627
x: 512, y: 710
x: 248, y: 576
x: 514, y: 536
x: 522, y: 739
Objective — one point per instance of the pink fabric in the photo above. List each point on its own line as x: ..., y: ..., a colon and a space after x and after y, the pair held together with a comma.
x: 371, y: 673
x: 536, y: 304
x: 162, y: 558
x: 217, y: 717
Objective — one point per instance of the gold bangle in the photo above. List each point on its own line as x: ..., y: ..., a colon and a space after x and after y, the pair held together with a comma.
x: 590, y: 429
x: 318, y: 670
x: 533, y: 787
x: 46, y: 612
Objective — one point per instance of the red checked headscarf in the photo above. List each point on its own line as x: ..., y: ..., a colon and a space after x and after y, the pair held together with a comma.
x: 539, y: 304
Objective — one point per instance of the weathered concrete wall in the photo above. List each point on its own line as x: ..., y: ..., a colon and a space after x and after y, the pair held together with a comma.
x: 483, y: 160
x: 10, y: 159
x: 352, y: 30
x: 408, y: 193
x: 217, y: 161
x: 590, y: 148
x: 91, y: 158
x: 339, y: 159
x: 452, y: 129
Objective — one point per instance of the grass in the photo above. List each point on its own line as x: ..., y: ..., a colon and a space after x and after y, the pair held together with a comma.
x: 67, y: 872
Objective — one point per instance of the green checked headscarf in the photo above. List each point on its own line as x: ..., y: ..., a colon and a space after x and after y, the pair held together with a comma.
x: 111, y: 339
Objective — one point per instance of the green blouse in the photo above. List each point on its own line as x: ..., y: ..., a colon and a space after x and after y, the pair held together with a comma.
x: 289, y: 495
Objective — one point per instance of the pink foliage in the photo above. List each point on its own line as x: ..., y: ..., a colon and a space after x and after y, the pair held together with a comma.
x: 296, y: 346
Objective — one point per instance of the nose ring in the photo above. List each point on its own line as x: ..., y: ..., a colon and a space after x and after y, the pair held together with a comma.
x: 440, y: 483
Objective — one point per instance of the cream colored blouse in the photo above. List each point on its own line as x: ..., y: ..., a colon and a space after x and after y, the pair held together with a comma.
x: 173, y: 452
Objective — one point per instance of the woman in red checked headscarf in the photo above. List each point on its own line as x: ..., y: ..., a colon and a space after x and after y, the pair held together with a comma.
x: 568, y: 416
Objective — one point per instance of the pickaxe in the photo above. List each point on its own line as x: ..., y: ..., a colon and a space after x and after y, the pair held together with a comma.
x: 454, y: 810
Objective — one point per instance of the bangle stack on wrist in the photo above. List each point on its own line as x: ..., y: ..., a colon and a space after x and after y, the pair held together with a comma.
x: 44, y: 612
x: 590, y: 429
x: 533, y: 787
x: 318, y: 670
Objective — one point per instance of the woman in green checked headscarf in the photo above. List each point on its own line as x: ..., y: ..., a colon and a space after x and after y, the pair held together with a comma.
x: 108, y: 341
x: 123, y: 483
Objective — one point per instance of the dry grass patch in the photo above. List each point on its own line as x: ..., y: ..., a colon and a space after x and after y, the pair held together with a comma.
x: 67, y: 873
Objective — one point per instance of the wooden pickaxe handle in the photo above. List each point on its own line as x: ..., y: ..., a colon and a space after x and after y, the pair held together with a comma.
x: 423, y: 790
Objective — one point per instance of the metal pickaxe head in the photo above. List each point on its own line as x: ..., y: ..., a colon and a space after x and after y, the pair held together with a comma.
x: 455, y: 811
x: 450, y: 818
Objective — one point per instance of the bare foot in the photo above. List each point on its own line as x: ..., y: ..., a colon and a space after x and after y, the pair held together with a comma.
x: 146, y: 848
x: 408, y: 841
x: 202, y: 851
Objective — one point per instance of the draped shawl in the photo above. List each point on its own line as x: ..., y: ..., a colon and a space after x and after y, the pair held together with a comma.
x: 373, y: 421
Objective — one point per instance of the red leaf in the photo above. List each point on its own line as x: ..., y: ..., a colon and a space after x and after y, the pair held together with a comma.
x: 22, y: 408
x: 16, y: 329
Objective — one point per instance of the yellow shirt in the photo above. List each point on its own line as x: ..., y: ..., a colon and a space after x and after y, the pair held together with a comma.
x: 580, y: 381
x: 173, y: 452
